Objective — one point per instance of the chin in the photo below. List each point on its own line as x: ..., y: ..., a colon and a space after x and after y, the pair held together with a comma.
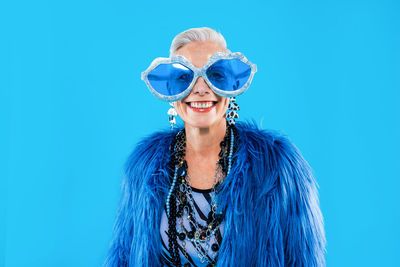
x: 204, y: 123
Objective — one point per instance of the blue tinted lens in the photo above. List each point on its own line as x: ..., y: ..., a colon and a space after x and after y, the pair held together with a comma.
x: 170, y: 79
x: 228, y: 74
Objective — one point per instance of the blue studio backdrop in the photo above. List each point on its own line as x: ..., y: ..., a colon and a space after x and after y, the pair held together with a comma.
x: 72, y: 107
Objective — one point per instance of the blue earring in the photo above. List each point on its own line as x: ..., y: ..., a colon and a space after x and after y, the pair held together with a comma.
x: 232, y: 114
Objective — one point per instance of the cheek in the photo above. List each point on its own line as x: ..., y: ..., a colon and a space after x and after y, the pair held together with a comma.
x: 179, y: 107
x: 226, y: 104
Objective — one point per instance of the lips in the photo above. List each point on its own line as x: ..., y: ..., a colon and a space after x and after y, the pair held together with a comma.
x: 202, y: 106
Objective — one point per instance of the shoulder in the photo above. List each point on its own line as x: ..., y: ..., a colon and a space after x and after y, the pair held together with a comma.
x: 273, y: 156
x: 156, y: 140
x: 150, y: 149
x: 267, y: 141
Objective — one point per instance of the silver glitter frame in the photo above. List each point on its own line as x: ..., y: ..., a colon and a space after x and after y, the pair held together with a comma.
x: 198, y: 72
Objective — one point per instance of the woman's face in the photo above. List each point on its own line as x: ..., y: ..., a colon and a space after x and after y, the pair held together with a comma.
x: 201, y: 107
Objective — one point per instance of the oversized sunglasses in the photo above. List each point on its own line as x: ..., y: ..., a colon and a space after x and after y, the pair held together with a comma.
x: 171, y: 79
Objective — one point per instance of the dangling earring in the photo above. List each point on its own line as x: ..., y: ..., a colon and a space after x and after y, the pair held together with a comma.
x: 232, y: 114
x: 172, y: 113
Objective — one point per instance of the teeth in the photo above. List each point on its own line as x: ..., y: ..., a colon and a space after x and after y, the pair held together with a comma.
x: 201, y: 104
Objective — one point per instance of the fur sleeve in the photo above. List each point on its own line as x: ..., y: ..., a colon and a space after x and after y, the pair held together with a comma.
x: 132, y: 243
x: 301, y: 219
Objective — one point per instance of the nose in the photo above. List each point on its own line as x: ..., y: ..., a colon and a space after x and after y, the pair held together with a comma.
x: 201, y: 87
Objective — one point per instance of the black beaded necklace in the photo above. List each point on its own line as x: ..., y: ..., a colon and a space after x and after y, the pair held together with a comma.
x: 180, y: 193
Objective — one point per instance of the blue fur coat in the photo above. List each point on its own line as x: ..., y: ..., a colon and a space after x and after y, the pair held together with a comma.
x: 270, y: 199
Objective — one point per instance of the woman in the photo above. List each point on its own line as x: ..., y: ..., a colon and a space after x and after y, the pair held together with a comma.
x: 214, y: 193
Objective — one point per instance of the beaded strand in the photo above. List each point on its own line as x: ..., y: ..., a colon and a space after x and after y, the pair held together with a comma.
x: 180, y: 170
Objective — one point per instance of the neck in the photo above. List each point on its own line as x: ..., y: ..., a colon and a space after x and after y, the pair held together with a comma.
x: 204, y: 142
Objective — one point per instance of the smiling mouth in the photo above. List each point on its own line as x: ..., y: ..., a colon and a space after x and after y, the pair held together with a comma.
x: 202, y: 106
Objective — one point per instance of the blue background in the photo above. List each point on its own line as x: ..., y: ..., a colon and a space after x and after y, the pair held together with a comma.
x: 72, y: 107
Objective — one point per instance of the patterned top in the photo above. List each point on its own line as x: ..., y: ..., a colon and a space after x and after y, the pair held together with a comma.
x: 202, y: 200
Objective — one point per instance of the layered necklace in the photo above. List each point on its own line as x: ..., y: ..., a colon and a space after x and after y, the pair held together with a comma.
x: 180, y: 201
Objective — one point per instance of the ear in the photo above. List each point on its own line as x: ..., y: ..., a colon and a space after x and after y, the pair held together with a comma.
x: 227, y: 103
